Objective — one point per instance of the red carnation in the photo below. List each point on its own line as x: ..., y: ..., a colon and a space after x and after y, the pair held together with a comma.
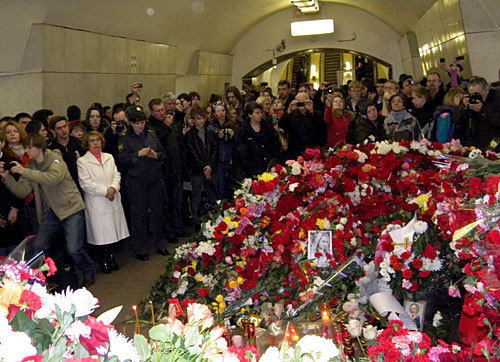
x: 393, y: 259
x: 424, y: 274
x: 405, y: 256
x: 98, y: 336
x: 31, y: 299
x: 417, y: 264
x: 387, y: 246
x: 407, y: 274
x: 202, y: 292
x: 52, y: 266
x: 397, y: 266
x: 414, y: 287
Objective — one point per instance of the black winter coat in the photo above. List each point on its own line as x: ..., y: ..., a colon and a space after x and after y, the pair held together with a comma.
x: 199, y: 155
x: 361, y: 128
x: 256, y: 150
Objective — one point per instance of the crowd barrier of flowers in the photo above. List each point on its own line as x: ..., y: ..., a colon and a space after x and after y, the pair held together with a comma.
x: 254, y: 250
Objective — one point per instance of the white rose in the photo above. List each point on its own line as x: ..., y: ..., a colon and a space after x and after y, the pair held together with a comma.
x: 370, y: 332
x: 354, y: 328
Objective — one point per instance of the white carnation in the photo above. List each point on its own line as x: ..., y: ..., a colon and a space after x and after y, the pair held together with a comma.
x: 320, y: 348
x: 420, y: 227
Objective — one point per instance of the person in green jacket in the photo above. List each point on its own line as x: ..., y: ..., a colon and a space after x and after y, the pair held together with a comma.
x: 58, y: 201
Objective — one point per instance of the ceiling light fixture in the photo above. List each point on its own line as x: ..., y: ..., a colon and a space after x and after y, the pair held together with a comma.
x: 312, y: 27
x: 306, y: 6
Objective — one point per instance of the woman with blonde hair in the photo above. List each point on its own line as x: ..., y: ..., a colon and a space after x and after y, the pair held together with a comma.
x: 100, y: 181
x: 445, y: 116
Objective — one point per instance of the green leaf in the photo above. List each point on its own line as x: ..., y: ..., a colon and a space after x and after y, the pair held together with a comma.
x: 142, y: 346
x: 296, y: 354
x: 21, y: 323
x: 160, y: 333
x: 109, y: 316
x: 60, y: 348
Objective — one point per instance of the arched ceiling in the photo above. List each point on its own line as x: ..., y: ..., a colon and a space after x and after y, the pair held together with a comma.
x: 211, y: 25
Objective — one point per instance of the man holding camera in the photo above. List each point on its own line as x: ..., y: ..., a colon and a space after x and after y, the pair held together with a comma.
x: 304, y: 126
x: 59, y: 205
x: 479, y: 117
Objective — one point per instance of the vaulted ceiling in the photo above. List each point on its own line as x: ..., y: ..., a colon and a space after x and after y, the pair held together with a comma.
x: 212, y: 25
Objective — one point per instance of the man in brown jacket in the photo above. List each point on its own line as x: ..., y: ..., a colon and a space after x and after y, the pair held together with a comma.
x: 58, y: 201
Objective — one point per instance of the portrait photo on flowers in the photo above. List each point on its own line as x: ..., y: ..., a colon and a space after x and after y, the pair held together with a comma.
x: 416, y: 311
x: 319, y: 247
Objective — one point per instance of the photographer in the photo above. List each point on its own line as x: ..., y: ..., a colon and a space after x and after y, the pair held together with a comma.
x: 59, y: 205
x: 479, y: 117
x: 305, y: 127
x: 141, y: 154
x: 118, y: 127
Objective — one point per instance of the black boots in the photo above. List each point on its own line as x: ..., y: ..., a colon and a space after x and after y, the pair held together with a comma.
x: 112, y: 261
x: 107, y: 260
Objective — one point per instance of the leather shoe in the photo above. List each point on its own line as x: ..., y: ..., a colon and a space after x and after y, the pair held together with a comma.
x: 142, y: 257
x: 87, y: 282
x: 163, y: 252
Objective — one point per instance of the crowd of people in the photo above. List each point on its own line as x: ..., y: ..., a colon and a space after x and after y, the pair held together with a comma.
x: 121, y: 174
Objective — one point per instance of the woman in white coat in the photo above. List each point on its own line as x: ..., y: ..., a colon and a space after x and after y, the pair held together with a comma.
x: 104, y: 216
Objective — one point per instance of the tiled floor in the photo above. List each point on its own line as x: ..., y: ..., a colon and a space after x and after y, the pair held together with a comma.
x: 129, y: 285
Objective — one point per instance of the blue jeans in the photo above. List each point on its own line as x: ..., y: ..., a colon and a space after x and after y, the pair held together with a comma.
x: 74, y: 232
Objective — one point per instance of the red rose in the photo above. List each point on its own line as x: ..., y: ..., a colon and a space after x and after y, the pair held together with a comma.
x: 394, y: 259
x: 98, y: 336
x: 417, y: 264
x: 407, y: 274
x: 202, y: 292
x: 191, y: 271
x: 414, y: 287
x: 175, y: 280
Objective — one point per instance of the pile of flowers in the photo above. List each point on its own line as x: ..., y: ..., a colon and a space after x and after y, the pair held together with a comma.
x: 38, y: 326
x: 398, y: 205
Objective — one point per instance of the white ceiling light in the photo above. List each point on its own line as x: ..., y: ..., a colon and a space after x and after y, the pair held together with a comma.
x: 306, y: 6
x: 312, y: 27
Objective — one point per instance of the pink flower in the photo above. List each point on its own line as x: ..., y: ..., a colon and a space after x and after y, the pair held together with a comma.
x: 175, y: 326
x: 200, y: 313
x: 453, y: 291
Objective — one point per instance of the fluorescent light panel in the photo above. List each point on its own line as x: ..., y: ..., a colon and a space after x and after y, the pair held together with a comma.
x: 312, y: 27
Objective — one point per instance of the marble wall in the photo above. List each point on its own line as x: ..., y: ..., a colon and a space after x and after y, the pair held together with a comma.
x: 81, y: 67
x: 440, y: 34
x: 482, y: 32
x: 20, y: 93
x: 207, y: 73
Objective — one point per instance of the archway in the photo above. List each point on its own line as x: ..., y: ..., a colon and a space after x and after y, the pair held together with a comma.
x: 331, y: 65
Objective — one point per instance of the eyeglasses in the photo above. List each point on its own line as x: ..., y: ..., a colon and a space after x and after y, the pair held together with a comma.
x: 219, y: 103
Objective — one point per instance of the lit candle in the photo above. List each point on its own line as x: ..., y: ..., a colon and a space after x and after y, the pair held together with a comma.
x: 325, y: 312
x: 137, y: 329
x: 152, y: 313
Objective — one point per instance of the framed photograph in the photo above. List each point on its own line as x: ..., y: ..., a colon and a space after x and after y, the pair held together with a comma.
x: 416, y: 311
x: 319, y: 243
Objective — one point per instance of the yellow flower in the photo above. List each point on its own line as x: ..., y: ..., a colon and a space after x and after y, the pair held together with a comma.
x: 241, y: 264
x: 240, y: 280
x: 320, y: 223
x: 266, y: 176
x: 302, y: 234
x: 194, y: 264
x: 219, y: 298
x: 198, y: 278
x: 421, y: 201
x: 10, y: 294
x: 233, y: 284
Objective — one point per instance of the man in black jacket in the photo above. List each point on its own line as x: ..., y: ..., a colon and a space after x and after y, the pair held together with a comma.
x: 305, y: 127
x: 479, y: 117
x: 201, y: 157
x: 141, y: 154
x: 69, y: 146
x: 161, y: 122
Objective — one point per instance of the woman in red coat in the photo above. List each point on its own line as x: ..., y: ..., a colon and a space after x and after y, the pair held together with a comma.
x: 337, y: 120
